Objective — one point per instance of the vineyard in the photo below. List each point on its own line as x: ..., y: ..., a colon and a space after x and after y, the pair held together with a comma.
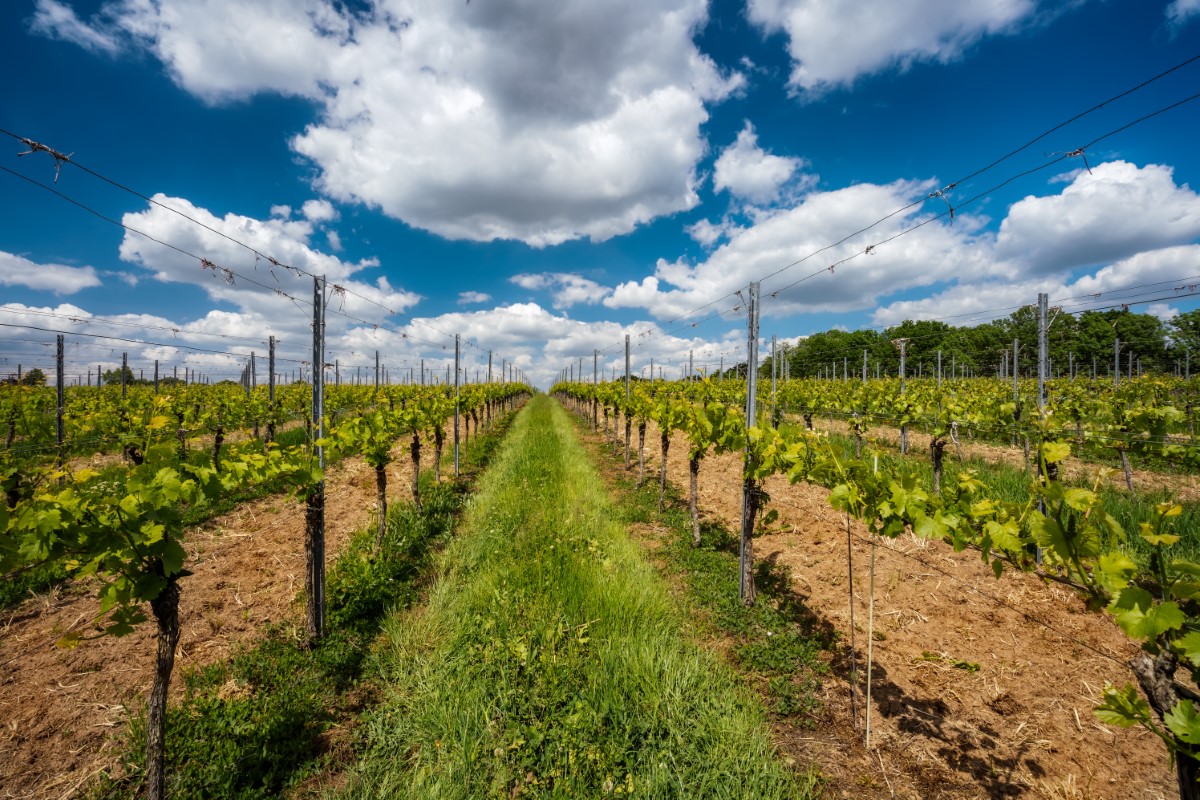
x: 937, y: 596
x: 1132, y: 560
x: 144, y: 502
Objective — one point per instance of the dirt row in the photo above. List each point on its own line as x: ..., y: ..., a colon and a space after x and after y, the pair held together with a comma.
x: 980, y: 687
x: 62, y: 710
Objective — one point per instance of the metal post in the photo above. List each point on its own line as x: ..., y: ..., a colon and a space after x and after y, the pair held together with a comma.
x: 774, y: 374
x: 1016, y: 372
x: 156, y: 376
x: 124, y: 369
x: 903, y: 345
x: 1043, y: 329
x: 316, y: 543
x: 456, y: 398
x: 377, y: 366
x: 627, y: 368
x: 864, y: 367
x: 271, y: 371
x: 59, y: 387
x: 1116, y: 362
x: 745, y: 556
x: 939, y: 369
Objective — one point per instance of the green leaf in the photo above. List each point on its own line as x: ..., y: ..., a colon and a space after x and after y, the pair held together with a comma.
x: 1054, y: 452
x: 1114, y: 571
x: 1123, y: 707
x: 1188, y: 647
x: 172, y: 557
x: 1140, y: 618
x: 1079, y: 499
x: 1184, y: 722
x: 1004, y: 535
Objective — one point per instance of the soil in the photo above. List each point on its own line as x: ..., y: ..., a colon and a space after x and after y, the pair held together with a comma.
x: 980, y: 687
x: 63, y: 711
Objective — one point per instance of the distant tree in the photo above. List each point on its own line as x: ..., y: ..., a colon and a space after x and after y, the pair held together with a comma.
x: 1184, y: 330
x: 35, y: 377
x: 113, y: 376
x: 1143, y: 335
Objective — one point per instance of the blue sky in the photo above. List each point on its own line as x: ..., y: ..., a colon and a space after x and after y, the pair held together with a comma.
x: 544, y: 178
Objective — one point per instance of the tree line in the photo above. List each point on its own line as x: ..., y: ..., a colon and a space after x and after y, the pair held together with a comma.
x: 1079, y: 342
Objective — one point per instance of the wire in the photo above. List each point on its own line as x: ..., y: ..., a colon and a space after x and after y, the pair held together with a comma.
x: 60, y: 159
x: 206, y: 264
x: 951, y: 210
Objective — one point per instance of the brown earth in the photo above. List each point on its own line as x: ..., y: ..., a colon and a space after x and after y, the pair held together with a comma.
x: 980, y: 687
x: 62, y: 710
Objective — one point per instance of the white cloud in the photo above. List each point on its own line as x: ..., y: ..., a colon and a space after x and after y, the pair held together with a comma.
x: 936, y: 252
x: 542, y: 343
x: 58, y: 278
x: 569, y: 289
x: 1154, y: 274
x: 749, y: 172
x: 1115, y: 210
x: 259, y: 292
x: 470, y: 298
x: 1180, y: 12
x: 832, y: 44
x: 318, y: 211
x: 510, y: 119
x: 335, y: 241
x: 281, y: 211
x: 709, y: 233
x: 56, y: 20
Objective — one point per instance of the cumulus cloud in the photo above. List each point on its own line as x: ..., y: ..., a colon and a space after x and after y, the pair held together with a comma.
x: 749, y: 172
x: 58, y: 278
x: 832, y: 44
x: 256, y: 287
x: 568, y: 288
x: 471, y: 298
x: 318, y: 211
x: 1125, y: 221
x: 935, y: 252
x: 510, y: 119
x: 542, y: 343
x: 56, y: 20
x: 973, y: 302
x: 709, y: 233
x: 1115, y: 210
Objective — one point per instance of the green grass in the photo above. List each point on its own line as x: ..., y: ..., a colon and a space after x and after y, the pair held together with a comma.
x: 266, y: 720
x: 551, y: 662
x: 778, y: 644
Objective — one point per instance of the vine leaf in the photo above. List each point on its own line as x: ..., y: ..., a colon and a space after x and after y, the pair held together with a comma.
x: 1140, y: 618
x: 1115, y: 570
x: 1188, y: 646
x: 1123, y: 707
x: 1184, y: 721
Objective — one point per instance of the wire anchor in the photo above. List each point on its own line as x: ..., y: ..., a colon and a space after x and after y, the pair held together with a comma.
x: 59, y: 158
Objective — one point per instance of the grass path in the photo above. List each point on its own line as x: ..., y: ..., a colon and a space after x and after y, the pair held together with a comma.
x: 550, y: 659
